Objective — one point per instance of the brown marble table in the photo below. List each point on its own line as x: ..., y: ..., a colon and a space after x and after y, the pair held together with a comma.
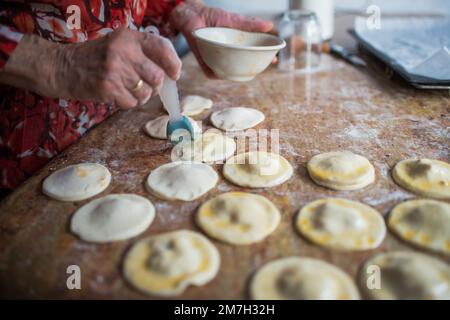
x: 339, y: 107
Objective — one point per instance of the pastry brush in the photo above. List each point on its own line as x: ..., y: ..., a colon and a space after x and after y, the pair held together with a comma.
x: 178, y: 127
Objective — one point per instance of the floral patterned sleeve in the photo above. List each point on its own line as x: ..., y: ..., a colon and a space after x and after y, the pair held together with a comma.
x: 9, y: 38
x: 34, y: 128
x: 157, y: 14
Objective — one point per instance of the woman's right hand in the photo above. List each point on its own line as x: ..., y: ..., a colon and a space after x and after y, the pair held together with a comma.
x: 107, y: 69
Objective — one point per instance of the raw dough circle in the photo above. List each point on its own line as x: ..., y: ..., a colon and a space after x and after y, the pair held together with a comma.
x: 341, y: 170
x: 406, y: 275
x: 181, y: 180
x: 341, y: 224
x: 77, y: 182
x: 296, y: 278
x: 425, y: 223
x: 192, y: 105
x: 427, y: 177
x: 257, y: 169
x: 165, y: 264
x: 236, y: 119
x: 238, y: 217
x: 113, y: 217
x: 157, y: 128
x: 208, y: 147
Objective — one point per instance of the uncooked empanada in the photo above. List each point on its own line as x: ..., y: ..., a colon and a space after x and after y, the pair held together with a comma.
x: 235, y: 119
x: 425, y: 223
x: 165, y: 264
x: 341, y: 224
x: 157, y: 128
x: 112, y: 218
x: 192, y: 105
x: 405, y: 275
x: 257, y: 169
x: 297, y: 278
x: 238, y: 217
x: 181, y: 180
x: 208, y: 147
x: 341, y: 170
x: 77, y: 182
x: 427, y: 177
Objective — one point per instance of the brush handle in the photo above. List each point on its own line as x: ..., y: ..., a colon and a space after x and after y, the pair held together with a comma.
x: 170, y: 99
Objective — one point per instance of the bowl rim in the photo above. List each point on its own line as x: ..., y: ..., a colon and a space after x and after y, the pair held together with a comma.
x: 279, y: 46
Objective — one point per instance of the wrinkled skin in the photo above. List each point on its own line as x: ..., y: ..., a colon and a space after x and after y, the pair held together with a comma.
x: 106, y: 69
x: 117, y: 62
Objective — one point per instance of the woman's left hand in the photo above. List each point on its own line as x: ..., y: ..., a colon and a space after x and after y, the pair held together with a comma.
x: 193, y: 14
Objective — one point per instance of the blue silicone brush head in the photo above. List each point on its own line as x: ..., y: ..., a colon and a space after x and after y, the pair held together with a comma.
x: 180, y: 130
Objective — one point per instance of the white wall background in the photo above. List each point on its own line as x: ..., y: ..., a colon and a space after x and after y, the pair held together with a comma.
x: 274, y: 7
x: 258, y: 7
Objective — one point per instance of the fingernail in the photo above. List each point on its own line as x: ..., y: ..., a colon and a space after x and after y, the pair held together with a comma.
x: 158, y: 88
x: 146, y: 99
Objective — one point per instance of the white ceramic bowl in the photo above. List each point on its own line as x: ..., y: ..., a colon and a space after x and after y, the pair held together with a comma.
x: 234, y: 54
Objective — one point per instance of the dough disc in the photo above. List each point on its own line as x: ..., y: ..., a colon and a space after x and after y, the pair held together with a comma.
x: 238, y: 217
x: 181, y: 180
x: 113, y: 217
x: 257, y: 169
x: 157, y: 128
x: 341, y: 170
x: 296, y: 278
x: 77, y: 182
x: 165, y: 264
x: 235, y: 119
x: 192, y: 105
x: 208, y: 147
x: 341, y: 224
x: 405, y: 275
x: 425, y: 223
x: 427, y: 177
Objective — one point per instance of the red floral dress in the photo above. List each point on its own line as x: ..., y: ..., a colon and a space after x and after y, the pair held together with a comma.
x: 33, y: 129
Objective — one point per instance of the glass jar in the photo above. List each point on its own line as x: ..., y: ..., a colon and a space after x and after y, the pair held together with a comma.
x: 302, y: 33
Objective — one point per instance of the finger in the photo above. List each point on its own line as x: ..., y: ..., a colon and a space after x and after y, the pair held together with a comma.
x: 161, y: 51
x: 124, y: 99
x: 135, y: 85
x: 112, y: 90
x: 247, y: 24
x: 143, y: 93
x: 147, y: 70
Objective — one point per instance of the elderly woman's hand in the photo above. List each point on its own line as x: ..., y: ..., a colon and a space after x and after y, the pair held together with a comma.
x: 108, y: 69
x: 193, y: 14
